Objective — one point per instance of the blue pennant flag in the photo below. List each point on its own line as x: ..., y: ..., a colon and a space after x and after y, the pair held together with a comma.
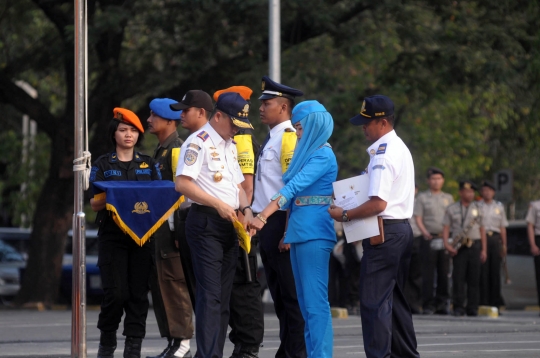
x: 139, y: 207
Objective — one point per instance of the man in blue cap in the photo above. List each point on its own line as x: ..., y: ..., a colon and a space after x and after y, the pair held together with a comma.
x: 277, y: 102
x: 210, y: 177
x: 387, y: 326
x: 170, y: 295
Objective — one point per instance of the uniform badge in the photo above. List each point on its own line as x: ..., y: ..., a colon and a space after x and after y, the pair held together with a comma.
x: 497, y: 211
x: 466, y: 186
x: 474, y: 212
x: 262, y: 86
x: 143, y: 165
x: 217, y: 177
x: 445, y: 201
x: 164, y: 153
x: 203, y: 135
x: 214, y: 154
x: 363, y: 109
x: 245, y: 111
x: 194, y: 146
x: 191, y: 157
x: 381, y: 149
x: 372, y: 152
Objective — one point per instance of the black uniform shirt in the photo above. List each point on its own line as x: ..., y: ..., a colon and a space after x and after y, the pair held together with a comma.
x: 167, y: 156
x: 109, y: 168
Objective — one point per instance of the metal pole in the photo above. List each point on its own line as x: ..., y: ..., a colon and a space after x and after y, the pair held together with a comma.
x: 274, y: 40
x: 78, y: 302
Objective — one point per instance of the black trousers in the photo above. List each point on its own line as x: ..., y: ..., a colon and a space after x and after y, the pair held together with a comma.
x: 387, y: 325
x: 280, y: 279
x: 537, y: 268
x: 434, y: 261
x: 247, y: 314
x: 413, y: 285
x: 466, y: 274
x: 214, y: 251
x: 125, y: 269
x: 490, y: 273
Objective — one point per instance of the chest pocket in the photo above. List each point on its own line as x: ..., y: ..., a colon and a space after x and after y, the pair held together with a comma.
x: 268, y: 156
x: 143, y: 173
x: 216, y: 163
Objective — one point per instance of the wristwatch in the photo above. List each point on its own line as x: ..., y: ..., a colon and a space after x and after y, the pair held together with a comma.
x: 344, y: 216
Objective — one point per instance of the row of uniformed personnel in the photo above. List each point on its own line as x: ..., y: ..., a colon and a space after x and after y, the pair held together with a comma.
x: 439, y: 224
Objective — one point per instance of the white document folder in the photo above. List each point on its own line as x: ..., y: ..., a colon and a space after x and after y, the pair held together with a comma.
x: 351, y: 193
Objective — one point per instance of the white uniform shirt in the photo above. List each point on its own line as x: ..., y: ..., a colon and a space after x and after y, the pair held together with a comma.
x: 268, y: 178
x: 205, y: 153
x: 391, y: 176
x: 533, y: 216
x: 493, y: 216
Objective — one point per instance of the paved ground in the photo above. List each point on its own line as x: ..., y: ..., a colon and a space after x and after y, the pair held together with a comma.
x: 515, y: 334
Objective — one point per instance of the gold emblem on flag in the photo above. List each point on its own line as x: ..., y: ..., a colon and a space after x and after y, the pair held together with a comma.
x: 141, y: 207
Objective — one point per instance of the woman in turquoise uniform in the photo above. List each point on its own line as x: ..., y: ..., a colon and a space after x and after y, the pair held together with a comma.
x: 307, y: 194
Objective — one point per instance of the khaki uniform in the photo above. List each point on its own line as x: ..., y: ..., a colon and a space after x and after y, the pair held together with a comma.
x: 170, y: 295
x: 533, y: 217
x: 432, y: 208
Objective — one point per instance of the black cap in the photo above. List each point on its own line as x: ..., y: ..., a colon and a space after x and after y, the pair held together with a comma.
x: 194, y: 98
x: 273, y: 89
x: 467, y: 184
x: 489, y: 184
x: 434, y: 170
x: 236, y: 107
x: 373, y: 107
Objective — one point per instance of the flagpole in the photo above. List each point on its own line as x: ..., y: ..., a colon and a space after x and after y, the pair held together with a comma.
x: 78, y: 302
x: 274, y: 37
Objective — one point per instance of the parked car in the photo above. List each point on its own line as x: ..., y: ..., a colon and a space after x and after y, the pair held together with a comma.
x: 17, y: 240
x: 521, y: 291
x: 11, y: 262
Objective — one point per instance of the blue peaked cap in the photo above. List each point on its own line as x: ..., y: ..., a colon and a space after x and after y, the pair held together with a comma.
x: 161, y: 107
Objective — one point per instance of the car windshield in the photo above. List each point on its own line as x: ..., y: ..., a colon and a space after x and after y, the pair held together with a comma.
x: 9, y: 254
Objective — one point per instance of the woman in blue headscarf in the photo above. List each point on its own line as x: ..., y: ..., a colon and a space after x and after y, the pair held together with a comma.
x: 310, y: 232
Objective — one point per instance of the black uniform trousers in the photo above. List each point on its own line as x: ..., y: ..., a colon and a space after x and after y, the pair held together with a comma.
x: 537, y: 268
x: 280, y: 279
x: 413, y: 285
x: 490, y: 273
x: 214, y: 250
x: 247, y: 314
x: 170, y: 296
x: 434, y: 261
x: 466, y: 272
x: 387, y: 326
x: 125, y: 269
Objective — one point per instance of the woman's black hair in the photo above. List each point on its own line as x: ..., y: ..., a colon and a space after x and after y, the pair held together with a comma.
x: 113, y: 126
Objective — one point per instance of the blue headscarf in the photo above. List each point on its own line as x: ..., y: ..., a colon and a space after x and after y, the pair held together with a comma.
x: 318, y: 125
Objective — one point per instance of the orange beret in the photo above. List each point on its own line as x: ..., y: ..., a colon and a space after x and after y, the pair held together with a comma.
x: 128, y: 117
x: 244, y: 91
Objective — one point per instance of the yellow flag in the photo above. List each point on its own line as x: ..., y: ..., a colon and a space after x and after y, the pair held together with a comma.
x: 243, y: 237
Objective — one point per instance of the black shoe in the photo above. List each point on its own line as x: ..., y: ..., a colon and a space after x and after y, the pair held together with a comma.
x: 459, y: 312
x: 428, y: 311
x: 187, y: 355
x: 442, y: 311
x: 249, y: 352
x: 236, y: 351
x: 132, y: 347
x: 165, y: 351
x: 107, y: 345
x: 472, y: 313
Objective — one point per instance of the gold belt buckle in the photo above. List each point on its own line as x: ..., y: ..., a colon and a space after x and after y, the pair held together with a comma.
x: 468, y: 242
x: 490, y: 233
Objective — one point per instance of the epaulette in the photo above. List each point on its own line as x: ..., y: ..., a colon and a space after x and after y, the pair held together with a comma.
x: 289, y: 130
x: 203, y: 135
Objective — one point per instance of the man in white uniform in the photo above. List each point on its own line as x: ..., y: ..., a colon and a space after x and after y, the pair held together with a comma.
x: 387, y: 325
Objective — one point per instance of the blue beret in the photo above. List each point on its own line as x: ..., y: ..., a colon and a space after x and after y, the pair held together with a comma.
x: 303, y: 109
x: 161, y: 107
x: 373, y: 107
x: 273, y: 89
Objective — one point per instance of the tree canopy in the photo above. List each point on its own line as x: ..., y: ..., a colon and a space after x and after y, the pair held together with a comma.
x: 464, y: 75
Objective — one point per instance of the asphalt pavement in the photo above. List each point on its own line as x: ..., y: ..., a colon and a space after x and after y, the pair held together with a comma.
x: 28, y: 333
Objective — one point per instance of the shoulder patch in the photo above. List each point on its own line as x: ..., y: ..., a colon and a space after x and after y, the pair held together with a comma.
x: 164, y: 153
x: 194, y: 146
x: 381, y: 149
x: 382, y: 167
x: 203, y: 135
x: 191, y: 156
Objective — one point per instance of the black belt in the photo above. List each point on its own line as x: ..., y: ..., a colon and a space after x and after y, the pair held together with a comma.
x: 492, y: 232
x: 206, y: 209
x: 395, y: 221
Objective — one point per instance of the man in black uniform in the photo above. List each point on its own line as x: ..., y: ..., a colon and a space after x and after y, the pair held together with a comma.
x: 125, y: 265
x: 172, y: 305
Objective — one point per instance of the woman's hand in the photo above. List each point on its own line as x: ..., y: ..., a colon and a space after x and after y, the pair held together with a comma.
x: 450, y: 250
x: 256, y: 223
x: 283, y: 247
x: 336, y: 212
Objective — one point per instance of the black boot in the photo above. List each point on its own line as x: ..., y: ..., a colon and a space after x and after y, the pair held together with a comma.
x: 107, y: 345
x: 132, y: 347
x: 236, y: 351
x: 249, y: 352
x: 165, y: 351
